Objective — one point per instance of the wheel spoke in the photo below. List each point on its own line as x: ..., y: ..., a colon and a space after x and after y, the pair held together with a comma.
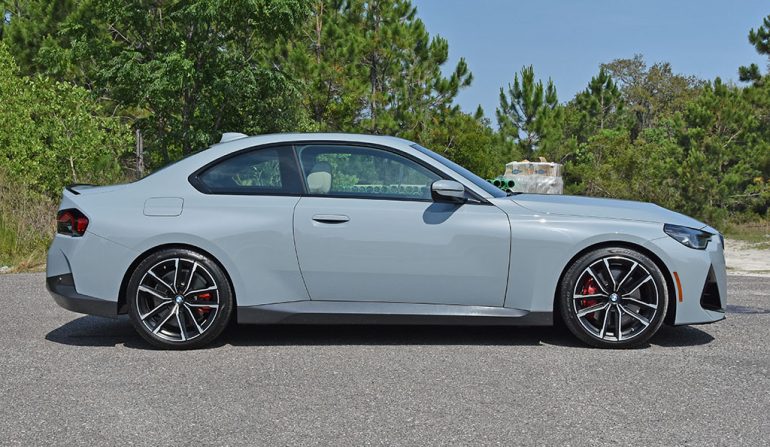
x: 598, y: 283
x: 165, y: 320
x: 154, y: 293
x: 644, y: 321
x: 176, y: 272
x: 202, y: 303
x: 619, y: 331
x: 190, y: 278
x: 195, y: 292
x: 192, y: 317
x: 620, y: 284
x: 641, y: 303
x: 155, y: 310
x: 589, y: 310
x: 642, y: 282
x: 593, y: 295
x: 609, y: 271
x: 604, y: 322
x: 157, y: 278
x: 182, y: 328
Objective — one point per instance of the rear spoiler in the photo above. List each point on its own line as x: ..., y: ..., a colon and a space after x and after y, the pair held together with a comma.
x: 71, y: 188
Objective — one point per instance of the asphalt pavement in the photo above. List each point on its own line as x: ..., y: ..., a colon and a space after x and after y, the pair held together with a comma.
x: 69, y: 379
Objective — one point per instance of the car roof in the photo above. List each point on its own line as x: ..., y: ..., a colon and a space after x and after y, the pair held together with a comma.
x: 316, y: 136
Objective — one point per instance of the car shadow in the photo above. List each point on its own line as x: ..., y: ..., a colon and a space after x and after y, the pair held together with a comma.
x: 105, y: 332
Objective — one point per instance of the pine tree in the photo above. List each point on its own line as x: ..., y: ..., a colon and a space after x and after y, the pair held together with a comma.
x: 371, y: 66
x: 32, y: 26
x: 529, y: 114
x: 760, y: 39
x: 599, y: 105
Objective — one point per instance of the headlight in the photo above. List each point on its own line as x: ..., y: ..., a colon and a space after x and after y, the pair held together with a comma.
x: 687, y: 236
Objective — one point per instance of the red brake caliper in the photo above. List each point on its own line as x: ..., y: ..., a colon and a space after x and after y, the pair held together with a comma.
x: 203, y: 310
x: 589, y: 288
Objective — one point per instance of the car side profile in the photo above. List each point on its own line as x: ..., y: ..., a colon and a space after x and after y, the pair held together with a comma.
x: 360, y: 229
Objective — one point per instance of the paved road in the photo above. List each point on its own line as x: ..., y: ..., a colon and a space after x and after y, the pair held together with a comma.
x: 69, y: 379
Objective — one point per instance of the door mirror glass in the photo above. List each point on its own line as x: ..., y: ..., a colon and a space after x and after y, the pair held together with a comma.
x: 448, y: 191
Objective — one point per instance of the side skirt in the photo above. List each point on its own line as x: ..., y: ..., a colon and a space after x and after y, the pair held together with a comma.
x: 350, y: 312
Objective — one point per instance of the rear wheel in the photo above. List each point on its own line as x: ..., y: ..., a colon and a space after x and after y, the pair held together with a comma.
x: 179, y: 299
x: 613, y: 298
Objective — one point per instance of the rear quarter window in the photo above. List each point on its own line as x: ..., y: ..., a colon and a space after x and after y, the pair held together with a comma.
x: 260, y: 171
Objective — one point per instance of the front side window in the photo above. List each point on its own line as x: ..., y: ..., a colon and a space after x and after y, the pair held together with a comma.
x: 261, y: 171
x: 492, y: 190
x: 354, y: 171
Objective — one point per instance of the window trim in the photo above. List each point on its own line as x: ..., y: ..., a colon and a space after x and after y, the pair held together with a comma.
x: 475, y: 198
x: 198, y: 184
x: 353, y: 195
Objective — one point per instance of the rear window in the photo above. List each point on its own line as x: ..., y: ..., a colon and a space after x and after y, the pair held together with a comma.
x: 262, y: 171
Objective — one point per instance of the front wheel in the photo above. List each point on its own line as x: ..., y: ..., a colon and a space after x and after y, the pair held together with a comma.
x: 179, y: 299
x: 613, y: 298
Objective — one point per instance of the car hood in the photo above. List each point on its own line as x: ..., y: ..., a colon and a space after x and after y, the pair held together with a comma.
x: 603, y: 208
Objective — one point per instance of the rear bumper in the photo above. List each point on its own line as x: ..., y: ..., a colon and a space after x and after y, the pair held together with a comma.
x: 62, y: 289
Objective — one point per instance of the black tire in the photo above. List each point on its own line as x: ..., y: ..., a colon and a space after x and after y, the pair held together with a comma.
x: 191, y: 314
x: 628, y: 283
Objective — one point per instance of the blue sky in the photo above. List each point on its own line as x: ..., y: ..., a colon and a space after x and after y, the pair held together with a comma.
x: 566, y: 40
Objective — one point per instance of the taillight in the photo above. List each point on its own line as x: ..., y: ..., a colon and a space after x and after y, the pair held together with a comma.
x: 71, y: 222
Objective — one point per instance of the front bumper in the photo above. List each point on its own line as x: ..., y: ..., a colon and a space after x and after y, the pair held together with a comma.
x: 702, y: 274
x: 62, y: 289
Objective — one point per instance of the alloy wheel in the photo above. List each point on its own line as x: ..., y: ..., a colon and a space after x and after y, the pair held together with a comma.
x: 615, y: 299
x: 177, y: 299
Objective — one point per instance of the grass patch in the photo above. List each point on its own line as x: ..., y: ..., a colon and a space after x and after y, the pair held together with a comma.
x: 26, y: 226
x: 756, y: 234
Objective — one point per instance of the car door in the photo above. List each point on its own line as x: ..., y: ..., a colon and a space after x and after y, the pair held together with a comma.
x: 368, y: 230
x: 246, y: 211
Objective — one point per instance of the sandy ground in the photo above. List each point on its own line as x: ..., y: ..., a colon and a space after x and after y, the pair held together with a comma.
x: 743, y: 259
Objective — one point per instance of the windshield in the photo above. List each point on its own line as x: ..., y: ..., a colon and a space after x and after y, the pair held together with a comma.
x: 493, y: 190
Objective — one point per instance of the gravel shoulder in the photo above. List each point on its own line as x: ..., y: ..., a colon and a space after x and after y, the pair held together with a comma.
x: 742, y: 258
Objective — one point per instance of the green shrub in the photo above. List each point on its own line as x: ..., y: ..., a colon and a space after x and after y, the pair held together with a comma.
x: 53, y: 133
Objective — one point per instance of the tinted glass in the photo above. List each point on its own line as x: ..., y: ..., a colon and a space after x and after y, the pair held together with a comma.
x: 493, y: 190
x: 262, y: 171
x: 354, y: 171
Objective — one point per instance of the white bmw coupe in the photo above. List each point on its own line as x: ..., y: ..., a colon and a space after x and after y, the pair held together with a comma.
x: 337, y: 228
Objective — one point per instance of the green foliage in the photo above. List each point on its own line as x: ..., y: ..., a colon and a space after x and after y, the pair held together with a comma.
x: 371, y: 66
x: 651, y: 93
x: 54, y: 133
x: 183, y: 72
x: 35, y: 27
x: 470, y: 142
x: 598, y: 107
x: 709, y: 161
x: 760, y: 39
x: 529, y: 114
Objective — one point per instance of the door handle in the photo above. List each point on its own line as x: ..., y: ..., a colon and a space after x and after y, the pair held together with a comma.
x: 331, y: 218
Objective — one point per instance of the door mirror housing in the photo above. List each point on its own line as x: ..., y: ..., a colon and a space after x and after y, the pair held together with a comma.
x: 448, y: 191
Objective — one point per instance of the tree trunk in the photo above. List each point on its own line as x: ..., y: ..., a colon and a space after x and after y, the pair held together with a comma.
x: 139, y: 154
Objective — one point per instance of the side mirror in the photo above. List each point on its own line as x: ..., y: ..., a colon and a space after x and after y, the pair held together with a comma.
x: 447, y: 191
